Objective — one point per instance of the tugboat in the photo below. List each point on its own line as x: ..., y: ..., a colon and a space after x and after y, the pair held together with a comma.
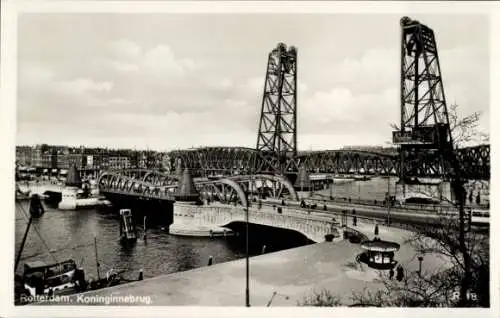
x: 128, y: 232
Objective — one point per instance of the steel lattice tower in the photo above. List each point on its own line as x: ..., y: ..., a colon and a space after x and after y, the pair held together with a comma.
x: 277, y: 137
x: 424, y: 138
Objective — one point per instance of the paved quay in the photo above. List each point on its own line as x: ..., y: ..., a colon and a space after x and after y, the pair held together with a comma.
x: 295, y: 273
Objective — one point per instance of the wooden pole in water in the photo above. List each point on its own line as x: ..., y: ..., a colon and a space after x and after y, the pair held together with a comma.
x: 96, y: 258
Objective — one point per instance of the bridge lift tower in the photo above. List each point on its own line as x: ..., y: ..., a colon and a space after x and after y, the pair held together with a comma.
x: 277, y: 136
x: 424, y: 136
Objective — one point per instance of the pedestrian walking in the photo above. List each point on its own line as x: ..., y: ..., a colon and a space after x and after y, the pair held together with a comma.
x: 400, y: 273
x: 391, y: 274
x: 376, y: 229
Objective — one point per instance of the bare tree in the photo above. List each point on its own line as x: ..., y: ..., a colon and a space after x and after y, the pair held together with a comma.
x: 467, y: 250
x: 324, y: 298
x: 436, y: 287
x: 465, y: 282
x: 464, y: 129
x: 414, y: 290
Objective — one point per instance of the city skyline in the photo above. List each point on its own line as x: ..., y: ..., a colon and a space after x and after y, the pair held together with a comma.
x: 134, y: 87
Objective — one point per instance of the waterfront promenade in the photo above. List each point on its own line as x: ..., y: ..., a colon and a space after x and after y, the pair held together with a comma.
x: 295, y: 273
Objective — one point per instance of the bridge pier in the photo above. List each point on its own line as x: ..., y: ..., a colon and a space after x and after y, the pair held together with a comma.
x: 189, y: 220
x: 187, y: 212
x: 210, y: 220
x: 434, y: 190
x: 68, y: 199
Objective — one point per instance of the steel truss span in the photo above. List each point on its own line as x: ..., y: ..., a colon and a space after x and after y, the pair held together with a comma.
x: 222, y: 161
x: 230, y: 161
x: 118, y: 183
x: 229, y: 190
x: 349, y: 162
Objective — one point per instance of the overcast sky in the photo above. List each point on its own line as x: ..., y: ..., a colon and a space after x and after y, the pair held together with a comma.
x: 166, y: 81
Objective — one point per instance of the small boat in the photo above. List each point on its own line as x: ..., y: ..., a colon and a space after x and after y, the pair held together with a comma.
x: 46, y: 279
x: 361, y: 178
x: 128, y: 232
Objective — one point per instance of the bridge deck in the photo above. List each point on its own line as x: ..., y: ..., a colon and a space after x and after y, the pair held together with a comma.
x: 295, y: 273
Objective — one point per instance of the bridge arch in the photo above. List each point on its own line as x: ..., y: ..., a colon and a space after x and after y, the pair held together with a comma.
x: 280, y: 180
x: 283, y: 181
x: 237, y: 188
x: 218, y: 189
x: 157, y: 177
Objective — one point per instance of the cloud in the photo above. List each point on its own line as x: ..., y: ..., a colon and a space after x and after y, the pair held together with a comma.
x: 209, y: 92
x: 33, y: 73
x: 126, y: 49
x: 341, y: 111
x: 375, y: 70
x: 161, y: 59
x: 123, y: 66
x: 128, y: 56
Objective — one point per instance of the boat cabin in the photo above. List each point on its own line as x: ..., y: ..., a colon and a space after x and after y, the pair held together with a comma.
x: 40, y: 278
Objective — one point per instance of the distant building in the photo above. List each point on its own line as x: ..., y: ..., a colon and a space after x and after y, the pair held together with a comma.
x: 118, y: 162
x: 36, y: 157
x: 75, y: 159
x: 89, y: 161
x: 46, y: 160
x: 142, y: 163
x: 165, y: 163
x: 24, y: 155
x: 62, y: 158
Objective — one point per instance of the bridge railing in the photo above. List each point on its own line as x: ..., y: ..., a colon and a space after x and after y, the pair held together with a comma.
x: 424, y: 208
x: 161, y: 195
x: 287, y: 211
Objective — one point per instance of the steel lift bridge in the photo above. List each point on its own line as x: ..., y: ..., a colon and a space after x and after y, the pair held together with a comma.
x: 425, y: 146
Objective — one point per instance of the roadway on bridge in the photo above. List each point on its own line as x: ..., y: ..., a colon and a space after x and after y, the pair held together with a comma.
x: 397, y: 216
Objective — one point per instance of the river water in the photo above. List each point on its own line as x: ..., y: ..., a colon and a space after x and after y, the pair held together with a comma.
x: 60, y: 235
x: 70, y: 235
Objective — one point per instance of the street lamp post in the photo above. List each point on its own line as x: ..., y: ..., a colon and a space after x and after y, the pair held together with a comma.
x: 247, y: 288
x: 331, y: 189
x: 420, y: 259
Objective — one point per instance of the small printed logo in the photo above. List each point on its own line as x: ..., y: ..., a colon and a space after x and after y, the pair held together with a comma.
x: 470, y: 296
